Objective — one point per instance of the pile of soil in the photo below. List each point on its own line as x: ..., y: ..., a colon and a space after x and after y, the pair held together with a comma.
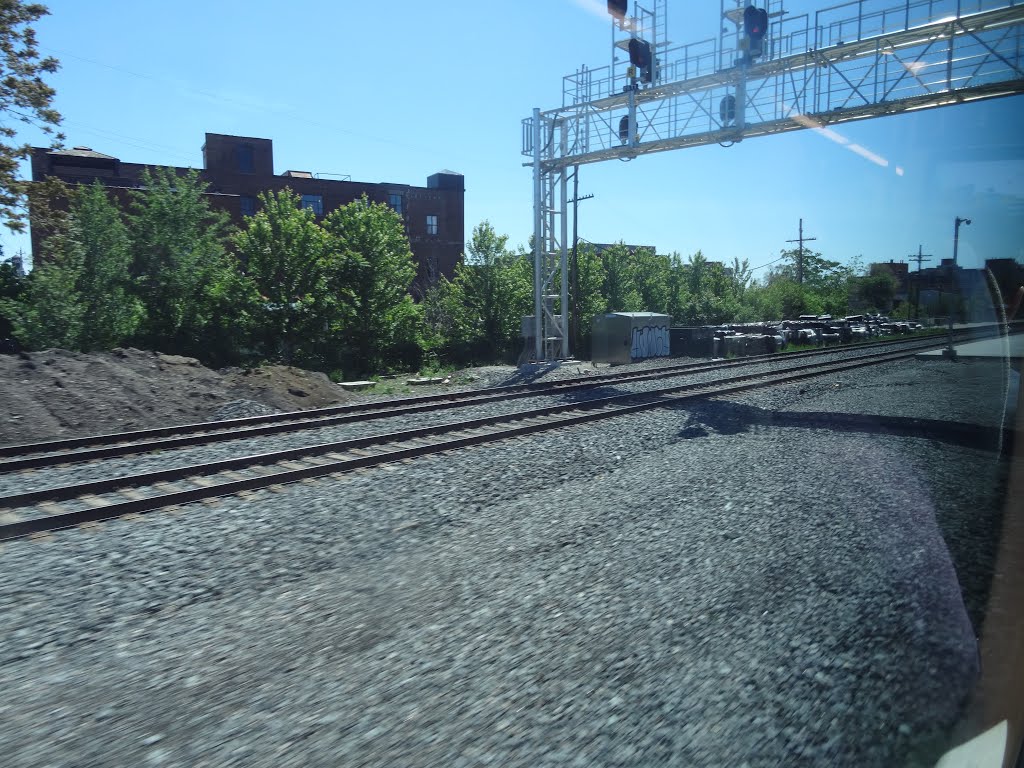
x: 57, y: 393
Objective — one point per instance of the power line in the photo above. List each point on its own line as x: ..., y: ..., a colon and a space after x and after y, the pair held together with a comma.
x: 134, y: 141
x: 776, y: 261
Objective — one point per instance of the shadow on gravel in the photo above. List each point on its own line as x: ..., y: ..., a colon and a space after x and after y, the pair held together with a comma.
x: 734, y: 418
x: 970, y: 520
x: 594, y: 393
x: 527, y: 374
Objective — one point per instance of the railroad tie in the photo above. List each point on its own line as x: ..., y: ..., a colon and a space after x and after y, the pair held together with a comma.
x: 51, y: 508
x: 318, y: 461
x: 95, y: 502
x: 362, y: 452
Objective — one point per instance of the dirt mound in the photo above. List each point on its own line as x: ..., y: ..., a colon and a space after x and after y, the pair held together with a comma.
x: 57, y: 393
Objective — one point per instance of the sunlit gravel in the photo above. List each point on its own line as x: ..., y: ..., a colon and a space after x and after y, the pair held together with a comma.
x: 725, y: 585
x: 48, y: 477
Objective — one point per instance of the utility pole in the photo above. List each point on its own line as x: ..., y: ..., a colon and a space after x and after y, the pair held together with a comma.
x: 917, y: 293
x: 950, y: 350
x: 800, y: 254
x: 919, y: 257
x: 574, y: 318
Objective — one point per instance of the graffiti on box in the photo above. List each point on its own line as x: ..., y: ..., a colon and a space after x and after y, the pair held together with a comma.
x: 649, y: 341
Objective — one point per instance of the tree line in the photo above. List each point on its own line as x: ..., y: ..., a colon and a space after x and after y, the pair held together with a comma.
x: 163, y: 270
x: 476, y: 317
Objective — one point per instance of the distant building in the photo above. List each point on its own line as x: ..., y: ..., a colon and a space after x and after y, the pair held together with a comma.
x: 972, y: 291
x: 238, y: 168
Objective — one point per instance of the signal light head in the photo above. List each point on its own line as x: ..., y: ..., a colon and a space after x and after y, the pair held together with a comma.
x: 639, y: 53
x: 750, y: 19
x: 755, y: 25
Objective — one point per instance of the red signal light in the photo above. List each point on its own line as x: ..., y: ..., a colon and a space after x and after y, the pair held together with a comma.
x: 755, y: 25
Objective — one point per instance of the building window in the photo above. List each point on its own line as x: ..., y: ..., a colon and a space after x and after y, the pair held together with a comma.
x: 431, y: 225
x: 395, y: 201
x: 246, y: 160
x: 248, y: 204
x: 315, y: 203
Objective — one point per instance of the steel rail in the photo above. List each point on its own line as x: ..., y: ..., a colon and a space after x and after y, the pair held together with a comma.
x: 93, y: 447
x: 388, y: 447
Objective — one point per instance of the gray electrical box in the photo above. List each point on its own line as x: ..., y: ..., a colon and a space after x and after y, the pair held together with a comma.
x: 625, y: 337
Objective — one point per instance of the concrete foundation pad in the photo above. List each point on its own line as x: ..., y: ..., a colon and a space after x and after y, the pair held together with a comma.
x: 1004, y: 347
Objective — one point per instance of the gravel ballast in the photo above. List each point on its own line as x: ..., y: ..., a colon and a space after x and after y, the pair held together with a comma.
x: 698, y: 586
x: 32, y: 480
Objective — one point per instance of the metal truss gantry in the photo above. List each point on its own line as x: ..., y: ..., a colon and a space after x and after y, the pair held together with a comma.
x: 856, y: 60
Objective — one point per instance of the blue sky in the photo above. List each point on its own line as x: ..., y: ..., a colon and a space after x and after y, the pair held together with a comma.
x: 396, y: 91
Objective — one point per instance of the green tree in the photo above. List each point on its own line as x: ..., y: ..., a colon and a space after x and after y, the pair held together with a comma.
x: 874, y: 292
x: 678, y: 294
x: 110, y: 312
x: 825, y: 287
x: 486, y: 284
x: 12, y: 285
x: 742, y: 276
x: 477, y: 316
x: 181, y: 268
x: 652, y: 279
x: 817, y: 270
x: 497, y: 286
x: 374, y: 266
x: 441, y: 330
x: 784, y: 299
x: 590, y: 301
x: 24, y: 98
x: 49, y: 310
x: 620, y: 284
x: 46, y: 308
x: 284, y: 253
x: 708, y: 292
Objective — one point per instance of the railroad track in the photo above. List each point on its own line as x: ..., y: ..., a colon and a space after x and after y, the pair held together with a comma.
x: 49, y: 509
x: 95, y: 447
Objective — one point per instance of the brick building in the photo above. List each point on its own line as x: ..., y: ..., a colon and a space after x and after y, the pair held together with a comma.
x: 981, y: 291
x: 237, y: 168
